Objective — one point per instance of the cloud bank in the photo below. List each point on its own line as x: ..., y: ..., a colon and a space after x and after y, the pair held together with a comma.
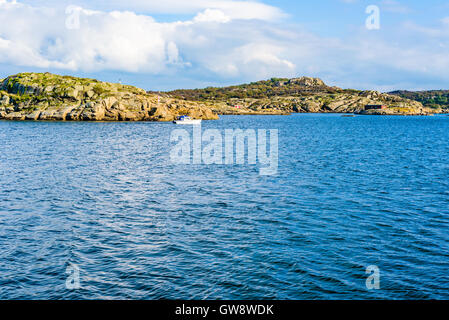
x: 88, y: 40
x: 231, y: 41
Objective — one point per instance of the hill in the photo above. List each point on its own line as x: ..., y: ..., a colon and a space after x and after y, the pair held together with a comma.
x: 260, y: 89
x: 45, y: 96
x: 434, y: 99
x: 283, y: 96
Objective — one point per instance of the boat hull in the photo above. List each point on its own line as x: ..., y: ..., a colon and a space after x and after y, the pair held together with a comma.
x: 187, y: 121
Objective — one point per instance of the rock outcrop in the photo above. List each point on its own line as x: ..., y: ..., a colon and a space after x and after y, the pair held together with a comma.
x: 322, y: 103
x: 45, y: 96
x: 303, y: 81
x: 283, y: 96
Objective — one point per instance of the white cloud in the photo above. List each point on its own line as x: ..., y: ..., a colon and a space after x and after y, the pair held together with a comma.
x: 212, y: 15
x: 261, y: 60
x: 118, y: 40
x: 217, y: 43
x: 235, y: 9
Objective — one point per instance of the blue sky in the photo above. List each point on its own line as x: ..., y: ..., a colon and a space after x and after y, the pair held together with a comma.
x: 163, y: 45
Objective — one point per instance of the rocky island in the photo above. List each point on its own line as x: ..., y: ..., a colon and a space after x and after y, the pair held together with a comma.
x: 311, y: 95
x: 45, y: 96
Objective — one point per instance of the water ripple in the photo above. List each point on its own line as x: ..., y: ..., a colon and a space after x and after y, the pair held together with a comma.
x: 104, y: 197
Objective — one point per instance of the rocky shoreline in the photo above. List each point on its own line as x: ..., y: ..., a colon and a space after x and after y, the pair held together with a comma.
x: 45, y: 96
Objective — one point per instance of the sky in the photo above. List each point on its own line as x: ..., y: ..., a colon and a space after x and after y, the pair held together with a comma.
x: 383, y: 45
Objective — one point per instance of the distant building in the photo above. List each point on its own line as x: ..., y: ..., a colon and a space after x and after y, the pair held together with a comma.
x: 375, y: 107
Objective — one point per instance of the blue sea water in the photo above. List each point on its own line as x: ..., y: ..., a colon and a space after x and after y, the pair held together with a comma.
x: 104, y: 197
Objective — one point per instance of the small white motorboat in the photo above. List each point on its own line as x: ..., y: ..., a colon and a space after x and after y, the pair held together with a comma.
x: 186, y: 120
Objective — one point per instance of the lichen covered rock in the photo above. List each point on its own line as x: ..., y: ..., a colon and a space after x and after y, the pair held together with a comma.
x: 304, y: 94
x: 45, y: 96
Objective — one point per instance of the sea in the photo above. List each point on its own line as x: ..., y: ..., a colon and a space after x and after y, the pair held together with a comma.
x: 357, y: 208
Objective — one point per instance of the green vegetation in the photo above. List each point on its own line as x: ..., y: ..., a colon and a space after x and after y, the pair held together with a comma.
x: 99, y: 89
x: 432, y: 99
x: 58, y: 87
x: 258, y: 90
x: 48, y: 79
x: 22, y: 98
